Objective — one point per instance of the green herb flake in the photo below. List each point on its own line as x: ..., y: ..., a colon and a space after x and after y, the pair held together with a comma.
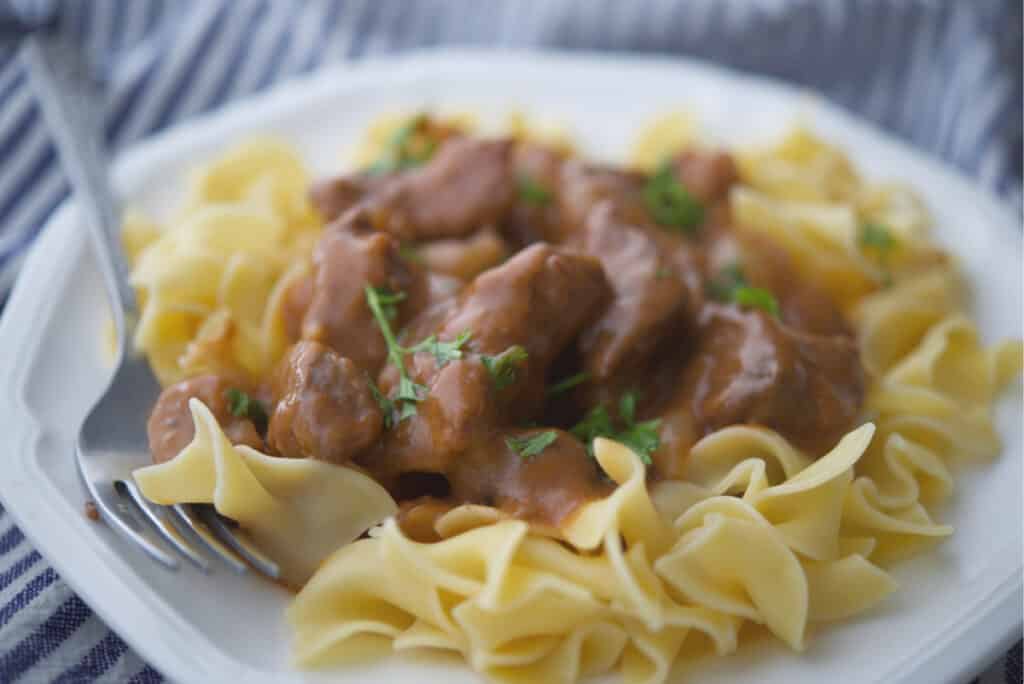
x: 529, y: 446
x: 387, y: 407
x: 568, y: 383
x: 731, y: 286
x: 503, y: 366
x: 662, y: 273
x: 533, y: 193
x: 382, y: 304
x: 642, y: 438
x: 597, y: 423
x: 670, y: 204
x: 386, y: 301
x: 406, y: 148
x: 241, y: 405
x: 879, y: 239
x: 756, y: 298
x: 876, y: 236
x: 627, y: 407
x: 443, y: 352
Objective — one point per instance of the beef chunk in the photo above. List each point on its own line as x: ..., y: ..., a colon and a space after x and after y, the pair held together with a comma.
x: 545, y: 487
x: 345, y: 261
x: 466, y: 185
x: 752, y: 368
x: 535, y: 215
x: 325, y: 409
x: 464, y: 258
x: 538, y: 300
x: 170, y: 425
x: 657, y: 284
x: 332, y: 197
x: 707, y: 175
x: 583, y: 187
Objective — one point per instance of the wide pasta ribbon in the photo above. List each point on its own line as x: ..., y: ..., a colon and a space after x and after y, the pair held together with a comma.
x: 277, y: 501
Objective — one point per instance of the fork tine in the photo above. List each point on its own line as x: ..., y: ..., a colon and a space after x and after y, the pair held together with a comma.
x: 125, y: 524
x: 163, y: 525
x: 215, y: 545
x: 239, y: 544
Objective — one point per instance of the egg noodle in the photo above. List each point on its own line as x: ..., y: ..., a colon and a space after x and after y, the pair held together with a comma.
x: 756, y: 531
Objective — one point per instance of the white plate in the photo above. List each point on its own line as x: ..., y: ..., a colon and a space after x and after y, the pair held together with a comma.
x: 957, y: 607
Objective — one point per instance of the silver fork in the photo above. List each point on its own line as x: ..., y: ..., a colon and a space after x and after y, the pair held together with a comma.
x: 112, y: 441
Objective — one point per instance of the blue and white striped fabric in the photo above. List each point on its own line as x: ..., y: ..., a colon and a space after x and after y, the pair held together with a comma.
x: 945, y: 75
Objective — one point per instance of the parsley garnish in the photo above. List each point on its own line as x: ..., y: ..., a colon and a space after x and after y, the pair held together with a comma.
x: 241, y: 405
x: 382, y: 303
x: 407, y: 148
x: 878, y: 238
x: 387, y: 407
x: 642, y: 438
x: 444, y: 352
x: 503, y: 366
x: 731, y: 286
x: 532, y: 192
x: 568, y: 383
x: 529, y: 446
x: 662, y: 273
x: 669, y: 203
x: 756, y: 298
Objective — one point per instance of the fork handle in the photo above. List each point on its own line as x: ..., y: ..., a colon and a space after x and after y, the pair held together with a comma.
x: 80, y: 148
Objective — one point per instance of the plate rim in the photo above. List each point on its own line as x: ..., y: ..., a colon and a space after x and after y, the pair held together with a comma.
x: 1001, y: 605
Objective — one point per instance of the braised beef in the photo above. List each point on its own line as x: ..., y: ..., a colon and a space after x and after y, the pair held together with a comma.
x: 545, y: 266
x: 535, y: 216
x: 325, y: 409
x: 544, y: 488
x: 656, y: 281
x: 346, y: 260
x: 466, y: 185
x: 170, y: 425
x: 752, y: 368
x: 538, y: 300
x: 707, y: 175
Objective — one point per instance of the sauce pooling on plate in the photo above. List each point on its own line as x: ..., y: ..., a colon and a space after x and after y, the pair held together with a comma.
x: 480, y: 310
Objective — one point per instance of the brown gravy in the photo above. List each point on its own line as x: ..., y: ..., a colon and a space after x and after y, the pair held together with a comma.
x: 595, y: 283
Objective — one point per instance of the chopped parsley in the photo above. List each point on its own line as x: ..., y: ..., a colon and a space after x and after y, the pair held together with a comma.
x: 444, y: 352
x: 731, y: 286
x: 878, y: 238
x: 568, y: 383
x: 662, y: 273
x: 670, y: 204
x: 386, y: 301
x: 533, y: 193
x: 642, y: 438
x: 383, y: 305
x: 387, y: 407
x: 756, y: 298
x: 529, y: 446
x: 502, y: 367
x: 408, y: 147
x: 241, y: 405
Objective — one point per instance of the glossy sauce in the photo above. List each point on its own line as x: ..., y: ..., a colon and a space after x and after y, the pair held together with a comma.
x: 579, y: 275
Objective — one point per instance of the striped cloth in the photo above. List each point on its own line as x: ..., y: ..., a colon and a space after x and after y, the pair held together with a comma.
x: 944, y: 75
